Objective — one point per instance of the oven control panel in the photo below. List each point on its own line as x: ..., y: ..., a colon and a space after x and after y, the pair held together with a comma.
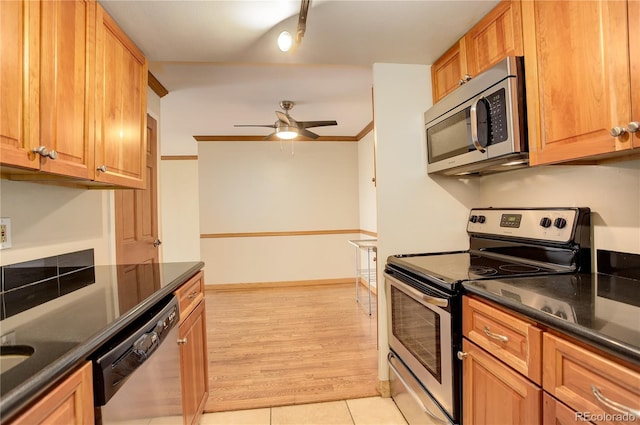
x: 548, y: 224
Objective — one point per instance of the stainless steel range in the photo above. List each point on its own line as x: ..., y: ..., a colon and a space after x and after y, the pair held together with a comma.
x: 425, y: 296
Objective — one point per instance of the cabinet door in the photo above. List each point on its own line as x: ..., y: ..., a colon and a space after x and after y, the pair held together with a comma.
x: 193, y: 359
x: 71, y: 402
x: 19, y: 65
x: 556, y: 413
x: 577, y: 76
x: 121, y: 69
x: 493, y: 393
x: 634, y: 56
x: 449, y: 71
x: 66, y: 123
x: 496, y: 36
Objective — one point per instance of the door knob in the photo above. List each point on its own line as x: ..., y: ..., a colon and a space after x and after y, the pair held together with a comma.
x: 157, y: 243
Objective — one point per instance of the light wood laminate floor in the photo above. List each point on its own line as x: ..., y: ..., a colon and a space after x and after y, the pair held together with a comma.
x: 289, y: 345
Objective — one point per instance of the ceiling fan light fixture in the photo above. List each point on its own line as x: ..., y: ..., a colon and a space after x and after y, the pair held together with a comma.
x: 285, y: 41
x: 286, y: 132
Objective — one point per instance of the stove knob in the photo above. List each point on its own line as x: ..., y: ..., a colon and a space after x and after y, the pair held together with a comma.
x: 547, y: 309
x: 482, y: 219
x: 545, y: 222
x: 560, y: 222
x: 473, y: 218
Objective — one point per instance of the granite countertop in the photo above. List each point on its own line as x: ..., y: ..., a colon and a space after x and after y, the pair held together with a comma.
x: 66, y: 329
x: 600, y: 309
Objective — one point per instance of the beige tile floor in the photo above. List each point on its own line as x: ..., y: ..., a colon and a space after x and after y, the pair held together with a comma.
x: 361, y: 411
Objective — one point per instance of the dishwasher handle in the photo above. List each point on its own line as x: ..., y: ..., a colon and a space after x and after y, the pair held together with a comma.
x: 119, y: 358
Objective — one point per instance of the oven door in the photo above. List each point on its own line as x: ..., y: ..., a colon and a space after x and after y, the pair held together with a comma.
x: 421, y: 335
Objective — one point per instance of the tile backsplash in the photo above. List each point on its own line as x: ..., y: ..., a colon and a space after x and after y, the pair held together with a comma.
x: 31, y: 283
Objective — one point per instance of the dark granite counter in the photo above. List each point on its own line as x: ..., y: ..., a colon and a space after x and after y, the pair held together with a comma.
x: 599, y: 309
x: 75, y: 321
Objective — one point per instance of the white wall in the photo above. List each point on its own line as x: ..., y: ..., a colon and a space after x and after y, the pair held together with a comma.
x: 48, y: 220
x: 366, y: 188
x: 248, y: 187
x: 416, y: 212
x: 612, y: 192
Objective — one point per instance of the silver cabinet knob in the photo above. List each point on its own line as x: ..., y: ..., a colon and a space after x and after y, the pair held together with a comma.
x: 102, y: 168
x: 53, y: 154
x: 462, y: 355
x: 157, y: 243
x: 618, y: 131
x: 633, y: 126
x: 182, y: 341
x: 42, y: 150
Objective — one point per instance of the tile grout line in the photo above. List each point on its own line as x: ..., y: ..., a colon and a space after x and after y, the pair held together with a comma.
x: 353, y: 421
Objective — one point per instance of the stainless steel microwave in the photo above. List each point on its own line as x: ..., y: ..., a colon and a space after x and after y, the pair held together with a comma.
x: 480, y: 127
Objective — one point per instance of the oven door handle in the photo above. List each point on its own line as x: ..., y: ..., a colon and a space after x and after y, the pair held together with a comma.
x: 413, y: 393
x: 430, y: 299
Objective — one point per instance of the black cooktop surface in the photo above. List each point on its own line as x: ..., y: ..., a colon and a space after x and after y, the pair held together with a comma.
x: 455, y: 267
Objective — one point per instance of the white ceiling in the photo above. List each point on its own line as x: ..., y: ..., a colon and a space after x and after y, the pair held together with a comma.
x: 227, y: 50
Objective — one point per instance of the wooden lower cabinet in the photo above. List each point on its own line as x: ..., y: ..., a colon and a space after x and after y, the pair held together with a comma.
x: 193, y: 352
x: 493, y: 393
x: 556, y: 413
x: 69, y: 402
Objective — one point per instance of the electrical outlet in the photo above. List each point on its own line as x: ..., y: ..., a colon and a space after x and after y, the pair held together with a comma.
x: 5, y: 233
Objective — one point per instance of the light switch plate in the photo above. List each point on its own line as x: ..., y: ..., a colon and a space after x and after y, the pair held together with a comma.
x: 5, y: 233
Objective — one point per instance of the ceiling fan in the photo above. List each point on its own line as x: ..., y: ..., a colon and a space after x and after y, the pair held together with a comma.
x: 288, y: 128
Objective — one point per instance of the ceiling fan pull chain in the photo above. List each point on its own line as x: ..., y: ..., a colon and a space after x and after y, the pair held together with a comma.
x: 292, y: 149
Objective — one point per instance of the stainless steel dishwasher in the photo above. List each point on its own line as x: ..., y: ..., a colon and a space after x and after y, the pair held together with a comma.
x: 137, y: 373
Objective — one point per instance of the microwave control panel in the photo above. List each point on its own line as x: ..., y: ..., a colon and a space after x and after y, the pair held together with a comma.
x: 497, y: 117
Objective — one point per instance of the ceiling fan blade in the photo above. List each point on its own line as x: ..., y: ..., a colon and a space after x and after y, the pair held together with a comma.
x: 255, y: 125
x: 271, y: 136
x: 283, y: 117
x: 307, y: 133
x: 309, y: 124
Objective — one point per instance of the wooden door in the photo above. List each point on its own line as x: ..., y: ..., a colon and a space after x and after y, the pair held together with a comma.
x: 577, y: 76
x: 121, y: 71
x: 66, y: 73
x: 136, y: 212
x: 448, y: 71
x: 19, y: 37
x: 496, y: 36
x: 634, y: 55
x: 493, y: 393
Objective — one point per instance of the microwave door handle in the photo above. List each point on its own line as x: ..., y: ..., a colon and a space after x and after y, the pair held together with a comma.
x: 473, y: 113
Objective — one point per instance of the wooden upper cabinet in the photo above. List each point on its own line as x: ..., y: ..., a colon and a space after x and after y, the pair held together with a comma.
x: 577, y: 77
x: 449, y: 71
x: 66, y: 72
x: 634, y: 56
x: 496, y: 36
x: 121, y: 98
x: 18, y: 62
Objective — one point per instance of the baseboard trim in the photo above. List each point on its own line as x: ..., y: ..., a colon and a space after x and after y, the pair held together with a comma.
x: 384, y: 388
x: 282, y: 284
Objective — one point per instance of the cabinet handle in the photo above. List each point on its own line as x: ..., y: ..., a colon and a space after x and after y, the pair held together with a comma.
x: 42, y: 150
x: 620, y: 408
x: 53, y: 154
x: 462, y: 355
x: 633, y: 126
x: 102, y: 168
x: 192, y: 295
x: 182, y: 341
x: 501, y: 338
x: 618, y: 131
